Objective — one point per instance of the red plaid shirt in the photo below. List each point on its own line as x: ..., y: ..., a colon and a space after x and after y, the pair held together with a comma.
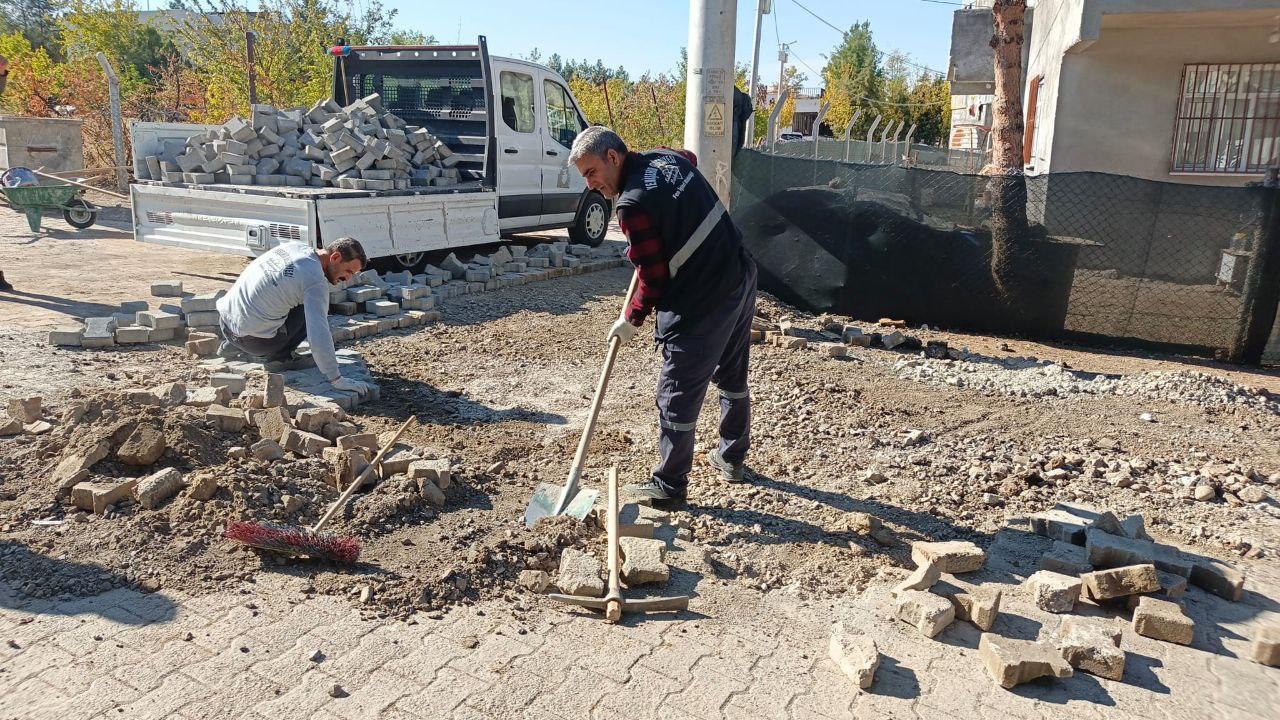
x: 646, y: 252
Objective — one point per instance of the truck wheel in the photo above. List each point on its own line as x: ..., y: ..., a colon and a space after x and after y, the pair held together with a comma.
x: 79, y: 214
x: 413, y: 262
x: 592, y: 222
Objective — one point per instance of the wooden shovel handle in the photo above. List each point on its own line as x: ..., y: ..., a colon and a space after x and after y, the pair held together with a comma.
x: 351, y: 489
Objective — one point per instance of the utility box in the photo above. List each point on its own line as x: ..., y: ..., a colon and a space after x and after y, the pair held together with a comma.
x: 51, y: 144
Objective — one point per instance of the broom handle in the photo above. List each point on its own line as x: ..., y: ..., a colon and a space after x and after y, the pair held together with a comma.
x: 351, y: 489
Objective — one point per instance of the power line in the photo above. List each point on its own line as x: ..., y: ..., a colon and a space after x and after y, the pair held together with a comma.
x: 844, y: 33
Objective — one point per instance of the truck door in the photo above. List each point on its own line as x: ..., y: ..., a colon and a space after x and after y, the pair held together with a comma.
x: 519, y: 150
x: 562, y: 185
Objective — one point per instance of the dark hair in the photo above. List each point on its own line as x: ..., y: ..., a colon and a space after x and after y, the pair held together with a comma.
x: 350, y: 248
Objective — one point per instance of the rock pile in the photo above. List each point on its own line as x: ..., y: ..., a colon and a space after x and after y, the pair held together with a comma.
x: 358, y: 147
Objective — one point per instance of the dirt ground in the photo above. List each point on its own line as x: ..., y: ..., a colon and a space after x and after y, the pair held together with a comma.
x: 502, y: 385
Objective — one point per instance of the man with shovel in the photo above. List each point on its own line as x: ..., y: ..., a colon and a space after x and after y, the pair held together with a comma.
x: 694, y: 272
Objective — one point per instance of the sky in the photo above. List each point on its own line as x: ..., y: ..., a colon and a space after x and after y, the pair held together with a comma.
x: 647, y: 35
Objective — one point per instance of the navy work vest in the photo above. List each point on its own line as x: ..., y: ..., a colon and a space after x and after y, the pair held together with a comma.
x: 705, y: 258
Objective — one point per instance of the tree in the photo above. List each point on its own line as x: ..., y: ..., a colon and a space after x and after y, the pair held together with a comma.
x: 36, y: 21
x: 851, y: 74
x: 136, y: 49
x: 1012, y: 274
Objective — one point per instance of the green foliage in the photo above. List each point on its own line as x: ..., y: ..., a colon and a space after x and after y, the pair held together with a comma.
x: 856, y: 78
x: 36, y: 21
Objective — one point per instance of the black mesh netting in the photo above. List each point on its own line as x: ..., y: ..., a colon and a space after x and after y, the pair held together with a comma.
x: 1071, y: 254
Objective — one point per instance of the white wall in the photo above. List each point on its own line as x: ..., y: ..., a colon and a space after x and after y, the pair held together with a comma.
x: 1057, y: 28
x: 1116, y: 100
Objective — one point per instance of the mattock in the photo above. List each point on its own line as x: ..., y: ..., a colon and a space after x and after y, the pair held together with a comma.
x: 613, y: 603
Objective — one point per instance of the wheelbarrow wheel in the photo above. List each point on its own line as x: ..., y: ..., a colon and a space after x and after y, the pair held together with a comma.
x: 79, y: 214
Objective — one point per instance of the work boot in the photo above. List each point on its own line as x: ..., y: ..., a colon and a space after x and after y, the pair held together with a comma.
x: 4, y: 285
x: 729, y: 471
x: 652, y: 491
x: 227, y: 351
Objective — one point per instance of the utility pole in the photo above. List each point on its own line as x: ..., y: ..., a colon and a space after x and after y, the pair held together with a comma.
x: 782, y: 68
x: 708, y: 129
x: 763, y: 7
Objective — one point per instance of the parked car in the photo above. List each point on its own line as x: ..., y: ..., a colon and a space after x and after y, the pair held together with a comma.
x: 791, y: 136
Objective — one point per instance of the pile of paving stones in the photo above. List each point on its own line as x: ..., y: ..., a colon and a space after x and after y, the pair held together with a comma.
x: 367, y: 304
x: 643, y: 558
x: 358, y: 147
x: 1096, y: 558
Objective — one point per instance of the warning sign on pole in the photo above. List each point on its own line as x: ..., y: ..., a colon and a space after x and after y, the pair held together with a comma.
x: 713, y: 119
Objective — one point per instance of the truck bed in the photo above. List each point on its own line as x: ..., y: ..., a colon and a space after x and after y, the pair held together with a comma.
x: 315, y: 193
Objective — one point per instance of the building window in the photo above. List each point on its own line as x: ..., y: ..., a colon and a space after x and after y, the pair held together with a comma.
x: 1228, y: 118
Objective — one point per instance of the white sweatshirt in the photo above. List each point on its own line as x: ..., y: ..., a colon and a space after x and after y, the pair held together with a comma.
x: 281, y: 279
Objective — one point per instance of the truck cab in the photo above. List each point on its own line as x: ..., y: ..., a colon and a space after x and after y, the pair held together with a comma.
x: 510, y: 124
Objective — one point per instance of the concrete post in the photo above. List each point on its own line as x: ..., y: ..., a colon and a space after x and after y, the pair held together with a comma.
x: 848, y: 133
x: 773, y: 120
x: 817, y: 122
x: 117, y: 121
x: 871, y: 132
x: 762, y: 8
x: 708, y: 113
x: 910, y: 134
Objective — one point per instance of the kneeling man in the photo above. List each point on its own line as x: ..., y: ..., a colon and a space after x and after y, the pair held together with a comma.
x: 282, y: 298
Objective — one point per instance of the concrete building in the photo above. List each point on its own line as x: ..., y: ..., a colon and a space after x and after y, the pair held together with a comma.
x: 1185, y: 91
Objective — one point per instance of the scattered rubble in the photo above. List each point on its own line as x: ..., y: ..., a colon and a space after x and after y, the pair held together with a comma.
x: 580, y: 574
x: 1054, y: 592
x: 1266, y: 645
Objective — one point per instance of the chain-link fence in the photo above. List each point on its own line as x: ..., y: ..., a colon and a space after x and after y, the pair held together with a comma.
x: 1075, y: 254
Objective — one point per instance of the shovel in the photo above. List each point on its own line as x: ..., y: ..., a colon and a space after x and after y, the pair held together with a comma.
x: 569, y: 500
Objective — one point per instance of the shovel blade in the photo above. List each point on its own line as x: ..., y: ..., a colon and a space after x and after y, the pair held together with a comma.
x: 544, y: 500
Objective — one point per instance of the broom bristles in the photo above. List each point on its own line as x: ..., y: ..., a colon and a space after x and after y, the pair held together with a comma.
x: 289, y: 540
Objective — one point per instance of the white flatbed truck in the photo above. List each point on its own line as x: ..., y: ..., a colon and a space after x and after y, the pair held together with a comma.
x: 511, y: 123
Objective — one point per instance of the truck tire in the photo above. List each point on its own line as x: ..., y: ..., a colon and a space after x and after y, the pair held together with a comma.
x: 413, y: 262
x: 592, y: 222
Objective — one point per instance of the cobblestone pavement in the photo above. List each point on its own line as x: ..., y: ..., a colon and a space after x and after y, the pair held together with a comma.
x: 736, y: 654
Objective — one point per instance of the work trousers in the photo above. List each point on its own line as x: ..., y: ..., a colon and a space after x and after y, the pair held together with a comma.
x: 716, y: 348
x: 279, y: 346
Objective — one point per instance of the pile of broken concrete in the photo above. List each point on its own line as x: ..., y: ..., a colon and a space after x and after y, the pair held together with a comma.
x: 1096, y: 558
x: 358, y: 147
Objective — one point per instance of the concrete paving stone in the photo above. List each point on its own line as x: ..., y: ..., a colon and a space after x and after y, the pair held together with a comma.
x: 1069, y: 522
x: 1011, y: 662
x: 978, y: 604
x: 1092, y: 646
x: 232, y: 698
x: 175, y: 691
x: 166, y: 288
x: 928, y: 613
x: 922, y: 578
x: 158, y: 487
x: 1110, y: 551
x: 149, y: 670
x: 1066, y: 558
x: 302, y: 701
x: 1053, y: 592
x: 1163, y: 620
x: 855, y: 653
x: 225, y: 419
x: 705, y: 694
x: 1121, y: 581
x: 132, y: 335
x: 368, y: 698
x: 95, y: 496
x: 1265, y: 648
x: 1219, y: 578
x: 449, y: 690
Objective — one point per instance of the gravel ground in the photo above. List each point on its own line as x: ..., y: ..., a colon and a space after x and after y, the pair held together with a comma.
x: 502, y: 387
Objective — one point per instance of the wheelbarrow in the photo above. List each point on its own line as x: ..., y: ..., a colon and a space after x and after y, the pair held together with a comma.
x: 35, y: 199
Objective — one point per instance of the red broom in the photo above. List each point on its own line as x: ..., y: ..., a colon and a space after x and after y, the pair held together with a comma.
x: 295, y: 541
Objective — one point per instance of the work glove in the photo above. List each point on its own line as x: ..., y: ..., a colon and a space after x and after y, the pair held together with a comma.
x: 356, y: 386
x: 623, y: 330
